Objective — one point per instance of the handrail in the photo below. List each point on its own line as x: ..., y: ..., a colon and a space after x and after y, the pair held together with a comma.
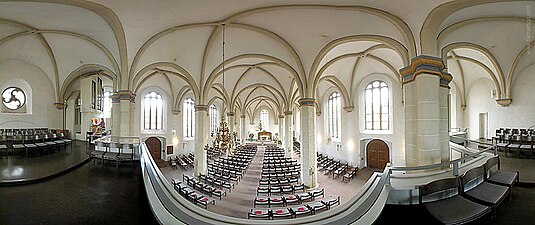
x: 169, y: 207
x: 455, y: 162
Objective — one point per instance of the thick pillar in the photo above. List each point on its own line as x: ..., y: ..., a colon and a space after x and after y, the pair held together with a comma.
x: 307, y: 112
x: 288, y: 139
x: 243, y: 131
x: 426, y: 88
x: 122, y: 113
x: 281, y: 127
x: 230, y: 116
x: 201, y: 134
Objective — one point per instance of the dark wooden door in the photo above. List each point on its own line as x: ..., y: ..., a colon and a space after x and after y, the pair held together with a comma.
x: 155, y: 147
x: 377, y: 154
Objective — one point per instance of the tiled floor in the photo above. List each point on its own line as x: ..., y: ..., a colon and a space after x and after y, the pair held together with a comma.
x: 239, y: 202
x: 13, y: 169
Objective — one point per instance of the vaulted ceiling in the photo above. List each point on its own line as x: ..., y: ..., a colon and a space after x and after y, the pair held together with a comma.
x: 275, y: 51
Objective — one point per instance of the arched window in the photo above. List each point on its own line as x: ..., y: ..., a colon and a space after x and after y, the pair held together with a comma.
x: 153, y: 111
x: 376, y: 106
x: 189, y: 118
x: 107, y: 104
x: 333, y: 114
x: 264, y: 118
x: 214, y: 119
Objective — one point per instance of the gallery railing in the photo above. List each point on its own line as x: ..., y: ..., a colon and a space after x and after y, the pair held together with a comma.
x: 364, y: 208
x: 171, y: 208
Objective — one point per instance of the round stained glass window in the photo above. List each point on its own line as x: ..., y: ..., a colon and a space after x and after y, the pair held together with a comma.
x: 13, y: 98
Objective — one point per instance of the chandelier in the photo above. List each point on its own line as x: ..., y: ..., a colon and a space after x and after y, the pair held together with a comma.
x: 259, y: 127
x: 224, y: 140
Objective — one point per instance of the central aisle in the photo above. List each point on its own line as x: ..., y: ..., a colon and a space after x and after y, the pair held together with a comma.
x: 240, y: 200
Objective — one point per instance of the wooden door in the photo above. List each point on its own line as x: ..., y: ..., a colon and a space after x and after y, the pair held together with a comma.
x: 155, y: 147
x: 377, y: 154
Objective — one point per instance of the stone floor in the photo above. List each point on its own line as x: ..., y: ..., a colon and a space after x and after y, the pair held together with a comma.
x: 240, y: 201
x: 88, y: 195
x: 23, y: 169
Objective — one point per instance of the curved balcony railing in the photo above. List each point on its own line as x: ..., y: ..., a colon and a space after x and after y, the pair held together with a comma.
x: 171, y: 208
x: 364, y: 208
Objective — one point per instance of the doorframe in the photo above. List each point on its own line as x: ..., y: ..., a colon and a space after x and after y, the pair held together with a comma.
x: 364, y: 153
x: 162, y: 147
x: 486, y: 123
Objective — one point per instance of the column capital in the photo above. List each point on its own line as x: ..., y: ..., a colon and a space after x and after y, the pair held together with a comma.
x: 348, y: 108
x: 242, y: 116
x: 201, y: 108
x: 59, y: 105
x: 424, y: 64
x: 504, y: 102
x: 281, y: 117
x: 123, y: 95
x: 307, y: 102
x: 230, y: 114
x: 176, y: 111
x: 288, y: 113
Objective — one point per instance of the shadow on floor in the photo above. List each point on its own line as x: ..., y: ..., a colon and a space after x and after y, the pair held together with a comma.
x: 21, y: 170
x: 88, y: 195
x: 519, y: 211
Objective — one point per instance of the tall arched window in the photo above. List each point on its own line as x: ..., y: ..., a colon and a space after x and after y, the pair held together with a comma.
x: 214, y: 119
x: 333, y: 114
x: 107, y: 104
x: 153, y: 111
x: 189, y: 117
x: 376, y: 106
x: 264, y: 118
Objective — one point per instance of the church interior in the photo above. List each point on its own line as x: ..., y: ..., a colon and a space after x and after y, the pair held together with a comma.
x: 267, y: 112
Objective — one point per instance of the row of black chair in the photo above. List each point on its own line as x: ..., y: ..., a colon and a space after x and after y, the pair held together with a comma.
x: 469, y: 197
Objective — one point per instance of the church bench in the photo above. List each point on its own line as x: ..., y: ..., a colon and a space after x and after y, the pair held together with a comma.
x: 494, y: 174
x: 351, y: 174
x: 475, y: 187
x: 300, y: 210
x: 329, y: 202
x: 259, y: 214
x: 442, y: 199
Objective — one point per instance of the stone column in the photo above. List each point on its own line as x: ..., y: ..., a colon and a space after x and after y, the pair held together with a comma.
x: 426, y: 87
x: 308, y: 142
x: 288, y: 139
x: 243, y: 131
x: 201, y: 133
x: 122, y: 110
x: 230, y: 116
x: 281, y: 127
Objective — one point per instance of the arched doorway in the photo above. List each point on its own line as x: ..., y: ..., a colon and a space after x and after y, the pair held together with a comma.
x: 155, y: 147
x: 377, y: 154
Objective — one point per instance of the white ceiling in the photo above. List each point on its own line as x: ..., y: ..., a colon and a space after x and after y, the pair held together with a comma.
x: 275, y: 32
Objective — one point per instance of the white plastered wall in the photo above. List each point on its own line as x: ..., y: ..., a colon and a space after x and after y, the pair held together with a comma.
x: 520, y: 114
x: 39, y: 93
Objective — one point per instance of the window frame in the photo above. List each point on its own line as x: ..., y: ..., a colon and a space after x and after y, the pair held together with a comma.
x: 214, y: 118
x: 370, y: 112
x: 188, y: 118
x: 25, y: 100
x: 154, y: 105
x: 334, y: 114
x: 264, y: 118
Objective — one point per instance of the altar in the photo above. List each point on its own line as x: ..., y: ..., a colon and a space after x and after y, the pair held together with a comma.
x: 264, y: 136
